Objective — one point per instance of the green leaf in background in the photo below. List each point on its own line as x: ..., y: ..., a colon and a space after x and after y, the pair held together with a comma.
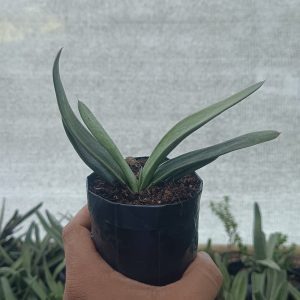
x: 295, y: 294
x: 2, y: 215
x: 7, y: 290
x: 52, y: 231
x: 271, y: 244
x: 259, y: 239
x: 220, y: 262
x: 12, y: 225
x: 59, y: 268
x: 34, y: 268
x: 26, y: 258
x: 38, y: 287
x: 258, y: 285
x: 187, y: 126
x: 104, y: 139
x: 49, y: 280
x: 239, y: 286
x: 78, y: 131
x: 268, y: 263
x: 194, y: 160
x: 277, y: 285
x: 5, y: 256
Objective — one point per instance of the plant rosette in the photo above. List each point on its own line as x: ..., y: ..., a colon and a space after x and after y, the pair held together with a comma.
x: 145, y: 211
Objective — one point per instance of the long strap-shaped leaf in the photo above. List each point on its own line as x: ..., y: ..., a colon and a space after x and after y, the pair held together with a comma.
x: 83, y: 137
x: 185, y: 127
x: 104, y: 139
x: 89, y: 160
x: 259, y: 238
x: 194, y: 160
x: 159, y: 176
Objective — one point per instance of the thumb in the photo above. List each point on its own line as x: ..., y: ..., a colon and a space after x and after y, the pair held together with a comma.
x: 202, y: 280
x: 80, y: 251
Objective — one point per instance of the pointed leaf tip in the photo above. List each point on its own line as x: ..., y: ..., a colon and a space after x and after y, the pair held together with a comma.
x: 260, y: 83
x: 187, y: 126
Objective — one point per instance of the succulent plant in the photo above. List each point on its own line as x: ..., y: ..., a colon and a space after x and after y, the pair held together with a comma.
x: 99, y: 152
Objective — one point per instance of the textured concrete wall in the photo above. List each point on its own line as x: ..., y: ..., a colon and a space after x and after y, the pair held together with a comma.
x: 141, y: 66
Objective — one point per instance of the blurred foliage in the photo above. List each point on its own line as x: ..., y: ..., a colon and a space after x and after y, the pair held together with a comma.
x: 263, y: 273
x: 32, y: 265
x: 223, y: 211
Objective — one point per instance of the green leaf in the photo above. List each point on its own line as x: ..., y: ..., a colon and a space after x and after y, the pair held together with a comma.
x: 78, y: 131
x: 258, y: 296
x: 171, y: 172
x: 2, y: 215
x: 187, y: 126
x: 55, y: 234
x: 88, y: 159
x: 191, y: 161
x: 16, y: 220
x: 59, y: 268
x: 5, y: 256
x: 26, y: 258
x: 29, y: 213
x: 268, y: 263
x: 53, y: 222
x: 28, y: 234
x: 277, y: 285
x: 258, y: 285
x: 240, y: 285
x: 293, y: 292
x: 259, y: 239
x: 7, y: 290
x: 104, y: 139
x: 8, y: 271
x: 37, y: 234
x: 49, y: 279
x: 223, y: 268
x: 37, y: 286
x: 271, y: 244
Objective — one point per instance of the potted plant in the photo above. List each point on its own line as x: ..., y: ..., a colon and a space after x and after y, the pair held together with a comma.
x: 144, y: 210
x: 268, y: 269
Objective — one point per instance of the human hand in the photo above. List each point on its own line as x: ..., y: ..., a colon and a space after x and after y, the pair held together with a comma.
x: 89, y: 277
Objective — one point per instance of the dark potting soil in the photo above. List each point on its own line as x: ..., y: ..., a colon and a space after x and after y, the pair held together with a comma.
x: 167, y: 192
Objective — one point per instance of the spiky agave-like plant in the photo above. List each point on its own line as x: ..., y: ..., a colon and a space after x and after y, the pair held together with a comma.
x: 99, y: 152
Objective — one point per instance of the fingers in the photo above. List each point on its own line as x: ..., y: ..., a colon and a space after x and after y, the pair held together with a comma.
x: 203, y: 265
x: 87, y: 274
x: 82, y: 218
x: 78, y: 245
x: 202, y: 280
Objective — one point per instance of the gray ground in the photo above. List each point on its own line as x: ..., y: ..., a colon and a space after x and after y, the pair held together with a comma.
x: 141, y: 66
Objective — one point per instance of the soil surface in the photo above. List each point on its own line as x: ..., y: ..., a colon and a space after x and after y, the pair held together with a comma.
x: 165, y: 192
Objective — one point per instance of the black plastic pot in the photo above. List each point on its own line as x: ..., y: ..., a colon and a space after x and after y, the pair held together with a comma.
x: 153, y: 244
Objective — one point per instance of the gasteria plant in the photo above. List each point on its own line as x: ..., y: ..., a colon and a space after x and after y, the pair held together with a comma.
x: 100, y: 153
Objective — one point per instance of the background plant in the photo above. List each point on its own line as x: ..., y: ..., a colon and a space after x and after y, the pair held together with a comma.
x: 223, y: 211
x: 31, y: 263
x: 101, y: 154
x: 265, y: 269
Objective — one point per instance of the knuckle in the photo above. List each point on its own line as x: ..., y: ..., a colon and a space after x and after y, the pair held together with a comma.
x: 67, y: 232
